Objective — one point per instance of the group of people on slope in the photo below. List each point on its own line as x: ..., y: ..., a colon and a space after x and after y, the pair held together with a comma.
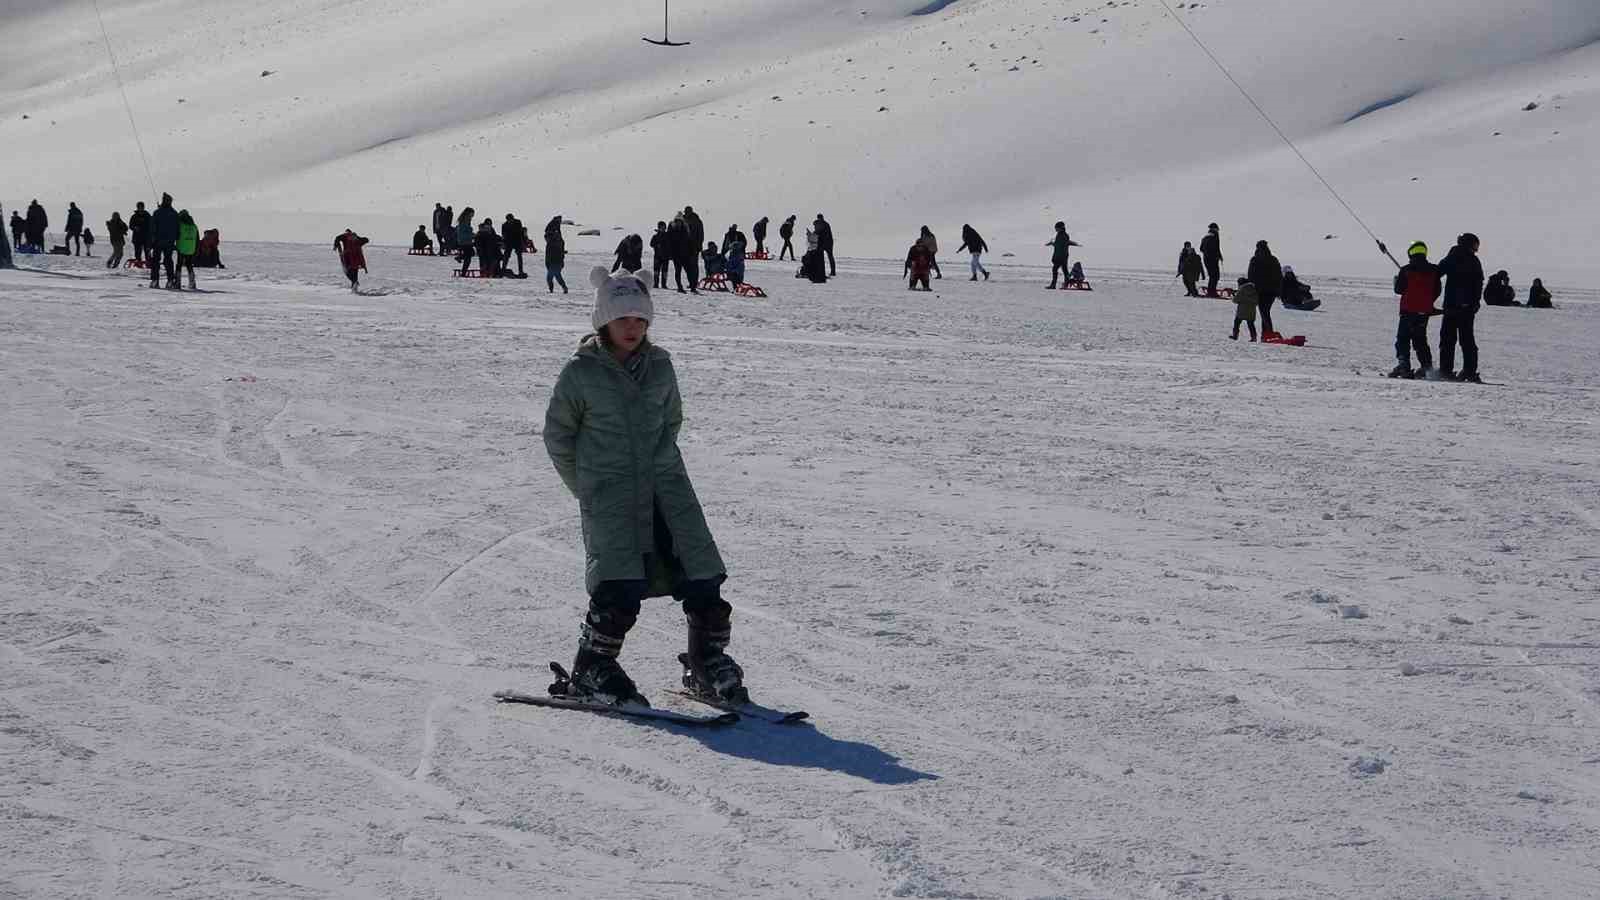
x: 28, y: 232
x: 494, y: 248
x: 1458, y: 280
x: 923, y: 257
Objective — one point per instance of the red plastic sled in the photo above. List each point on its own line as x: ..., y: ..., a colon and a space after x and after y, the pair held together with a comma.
x: 1077, y: 286
x: 715, y: 283
x: 134, y: 263
x: 748, y: 290
x: 759, y: 254
x: 1272, y: 337
x: 470, y: 273
x: 1223, y: 294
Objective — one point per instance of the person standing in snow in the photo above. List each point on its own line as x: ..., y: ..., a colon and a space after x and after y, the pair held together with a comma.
x: 759, y: 232
x: 1418, y: 285
x: 18, y: 229
x: 1190, y: 269
x: 1061, y: 249
x: 188, y: 242
x: 487, y: 243
x: 555, y: 255
x: 1266, y: 273
x: 696, y: 236
x: 660, y: 256
x: 74, y: 237
x: 1211, y: 253
x: 88, y: 242
x: 1463, y: 274
x: 786, y: 231
x: 464, y: 237
x: 5, y: 248
x: 611, y: 429
x: 441, y: 227
x: 513, y: 239
x: 683, y: 254
x: 972, y: 242
x: 919, y: 261
x: 38, y: 223
x: 824, y: 233
x: 164, y: 243
x: 117, y: 231
x: 1244, y: 309
x: 352, y: 257
x: 139, y: 232
x: 932, y: 243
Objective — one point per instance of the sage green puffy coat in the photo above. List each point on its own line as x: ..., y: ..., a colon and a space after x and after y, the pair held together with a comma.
x: 614, y: 441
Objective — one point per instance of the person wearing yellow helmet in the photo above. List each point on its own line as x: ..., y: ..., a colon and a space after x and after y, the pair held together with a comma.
x: 1418, y: 284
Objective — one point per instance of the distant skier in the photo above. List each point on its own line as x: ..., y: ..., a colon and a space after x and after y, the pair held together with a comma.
x: 932, y: 243
x: 188, y: 242
x: 972, y: 242
x: 555, y: 255
x: 824, y: 233
x: 420, y: 242
x: 164, y: 243
x: 1244, y: 308
x: 139, y: 232
x: 919, y: 262
x: 786, y: 231
x: 660, y: 255
x: 1061, y: 249
x: 630, y: 254
x: 1190, y: 268
x: 1211, y: 254
x: 1539, y: 297
x: 759, y: 232
x: 611, y: 430
x: 1266, y: 273
x: 352, y: 257
x: 74, y: 237
x: 1463, y: 274
x: 117, y: 232
x: 1418, y: 285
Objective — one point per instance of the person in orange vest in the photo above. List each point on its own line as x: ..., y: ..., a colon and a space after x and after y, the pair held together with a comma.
x: 1419, y: 284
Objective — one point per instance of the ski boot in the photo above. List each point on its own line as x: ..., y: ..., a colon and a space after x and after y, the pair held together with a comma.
x: 598, y: 677
x: 1470, y: 377
x: 707, y: 668
x: 1402, y: 371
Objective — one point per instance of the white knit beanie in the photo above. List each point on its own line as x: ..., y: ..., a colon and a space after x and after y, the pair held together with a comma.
x: 625, y: 295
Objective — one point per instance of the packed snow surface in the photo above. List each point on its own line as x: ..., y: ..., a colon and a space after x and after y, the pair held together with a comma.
x: 1060, y: 576
x: 282, y: 120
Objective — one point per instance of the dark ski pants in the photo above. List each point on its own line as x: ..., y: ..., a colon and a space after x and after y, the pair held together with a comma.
x: 140, y: 251
x: 1457, y: 326
x: 920, y: 278
x: 552, y: 277
x: 678, y: 267
x: 1213, y: 275
x: 1191, y: 290
x: 1062, y: 267
x: 505, y: 263
x: 1265, y: 307
x: 833, y: 270
x: 116, y: 255
x: 1413, y: 335
x: 162, y: 258
x: 74, y: 242
x: 659, y: 266
x: 760, y: 241
x: 466, y: 260
x: 1250, y: 322
x: 788, y: 247
x: 354, y: 275
x: 693, y: 265
x: 614, y: 605
x: 936, y: 272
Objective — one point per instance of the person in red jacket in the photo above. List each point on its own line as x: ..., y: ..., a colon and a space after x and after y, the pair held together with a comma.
x: 351, y: 256
x: 919, y: 262
x: 1419, y: 284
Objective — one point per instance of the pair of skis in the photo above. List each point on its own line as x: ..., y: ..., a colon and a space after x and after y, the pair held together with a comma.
x: 731, y: 712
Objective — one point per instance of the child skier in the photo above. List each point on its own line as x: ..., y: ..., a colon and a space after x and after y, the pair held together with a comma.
x: 351, y: 256
x: 1418, y: 285
x: 611, y: 429
x: 1244, y: 308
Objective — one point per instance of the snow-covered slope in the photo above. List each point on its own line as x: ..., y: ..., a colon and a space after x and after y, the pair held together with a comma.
x: 1009, y: 114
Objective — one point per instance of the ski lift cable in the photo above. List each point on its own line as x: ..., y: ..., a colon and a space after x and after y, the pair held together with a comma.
x: 1268, y: 119
x: 117, y: 70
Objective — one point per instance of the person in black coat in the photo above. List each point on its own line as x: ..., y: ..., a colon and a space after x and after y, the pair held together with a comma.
x: 38, y: 224
x: 759, y: 232
x: 487, y: 242
x: 1190, y: 268
x: 1539, y: 296
x: 972, y: 242
x: 786, y: 231
x: 1211, y: 255
x: 420, y: 242
x: 1463, y: 274
x: 1266, y: 273
x: 660, y: 256
x: 825, y: 243
x: 1499, y: 292
x: 696, y: 240
x: 74, y: 238
x: 164, y: 243
x: 514, y: 239
x: 19, y: 228
x: 685, y: 255
x: 630, y: 254
x: 139, y: 232
x: 117, y: 231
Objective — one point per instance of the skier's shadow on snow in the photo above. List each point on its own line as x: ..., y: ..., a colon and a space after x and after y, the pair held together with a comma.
x: 803, y: 746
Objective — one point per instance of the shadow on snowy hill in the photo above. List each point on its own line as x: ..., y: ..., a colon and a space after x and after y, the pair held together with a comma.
x: 803, y: 746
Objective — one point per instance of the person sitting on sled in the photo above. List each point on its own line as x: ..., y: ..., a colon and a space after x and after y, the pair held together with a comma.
x: 714, y: 261
x: 611, y: 430
x: 420, y: 242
